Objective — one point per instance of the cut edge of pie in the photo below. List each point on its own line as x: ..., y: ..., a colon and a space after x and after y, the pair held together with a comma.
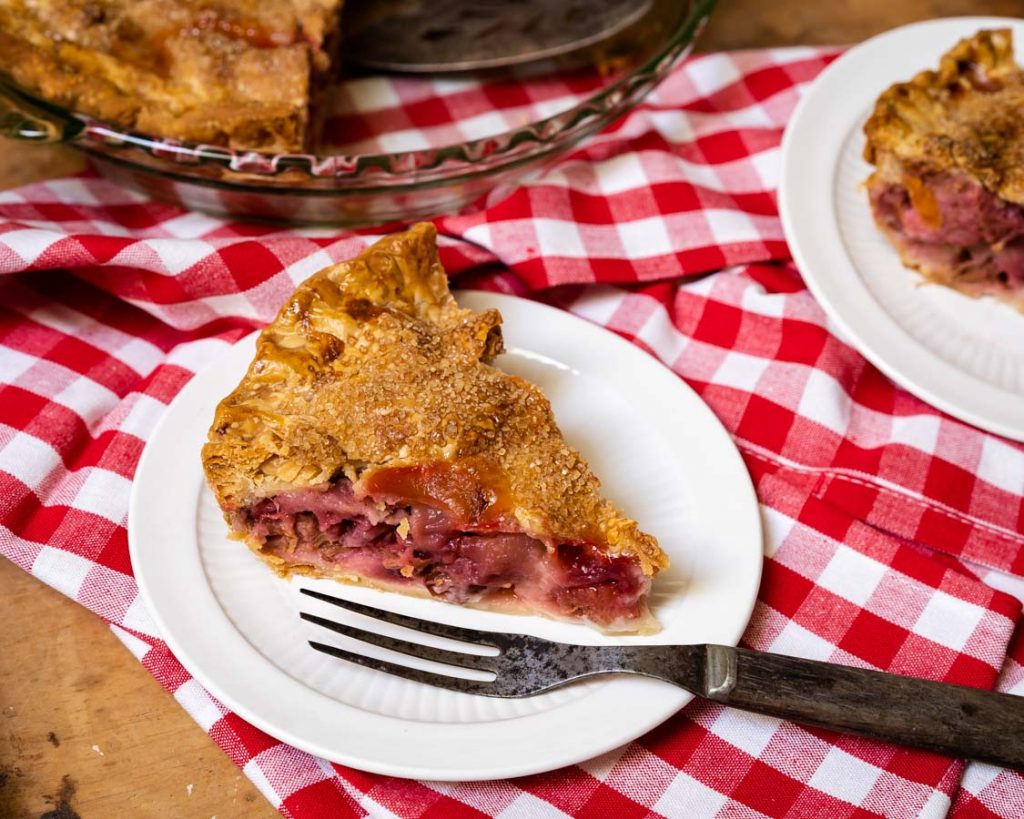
x: 948, y: 186
x: 372, y: 441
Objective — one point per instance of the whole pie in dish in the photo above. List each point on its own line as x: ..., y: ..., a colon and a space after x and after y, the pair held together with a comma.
x: 948, y: 189
x: 240, y: 73
x: 372, y: 441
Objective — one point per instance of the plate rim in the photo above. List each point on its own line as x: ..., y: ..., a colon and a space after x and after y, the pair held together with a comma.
x: 810, y: 151
x: 744, y: 488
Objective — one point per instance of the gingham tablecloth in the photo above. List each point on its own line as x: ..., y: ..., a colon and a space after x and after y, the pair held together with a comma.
x: 894, y: 532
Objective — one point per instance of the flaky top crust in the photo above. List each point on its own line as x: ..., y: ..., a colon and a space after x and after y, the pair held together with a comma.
x: 230, y: 72
x: 371, y: 365
x: 968, y: 116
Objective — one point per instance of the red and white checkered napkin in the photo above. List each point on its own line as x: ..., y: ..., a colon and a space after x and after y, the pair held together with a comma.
x: 894, y: 532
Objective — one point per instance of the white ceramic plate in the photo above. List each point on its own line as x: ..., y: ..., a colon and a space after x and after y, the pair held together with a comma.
x: 965, y: 356
x: 234, y: 625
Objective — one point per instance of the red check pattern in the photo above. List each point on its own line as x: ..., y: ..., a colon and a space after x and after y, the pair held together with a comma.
x: 376, y: 114
x: 895, y: 534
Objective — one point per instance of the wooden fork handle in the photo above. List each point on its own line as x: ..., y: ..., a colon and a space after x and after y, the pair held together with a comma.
x: 949, y: 719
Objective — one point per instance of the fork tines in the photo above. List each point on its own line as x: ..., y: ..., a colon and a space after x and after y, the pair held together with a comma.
x: 455, y: 661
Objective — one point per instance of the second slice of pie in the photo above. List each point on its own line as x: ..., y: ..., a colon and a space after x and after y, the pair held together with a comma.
x: 948, y: 185
x: 372, y: 441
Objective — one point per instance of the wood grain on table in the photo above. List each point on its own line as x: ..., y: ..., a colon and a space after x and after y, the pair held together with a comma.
x: 85, y: 731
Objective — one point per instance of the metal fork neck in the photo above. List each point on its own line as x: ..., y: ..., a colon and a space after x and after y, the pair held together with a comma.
x: 682, y: 665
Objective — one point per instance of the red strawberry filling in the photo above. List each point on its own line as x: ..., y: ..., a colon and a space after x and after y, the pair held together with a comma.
x: 953, y: 229
x: 465, y: 559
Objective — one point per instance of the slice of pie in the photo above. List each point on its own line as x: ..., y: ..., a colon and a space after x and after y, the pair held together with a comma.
x: 948, y: 189
x: 372, y: 441
x: 239, y: 73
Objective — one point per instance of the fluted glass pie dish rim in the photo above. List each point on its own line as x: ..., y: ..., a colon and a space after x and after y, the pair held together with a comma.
x: 468, y: 168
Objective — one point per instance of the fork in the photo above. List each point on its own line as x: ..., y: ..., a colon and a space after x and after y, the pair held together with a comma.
x: 950, y: 719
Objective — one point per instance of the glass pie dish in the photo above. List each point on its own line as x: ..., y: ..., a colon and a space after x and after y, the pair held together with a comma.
x: 393, y: 148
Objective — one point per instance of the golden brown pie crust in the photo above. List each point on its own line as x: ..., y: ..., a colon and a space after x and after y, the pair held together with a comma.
x: 948, y: 149
x: 371, y: 367
x: 227, y: 72
x: 940, y: 120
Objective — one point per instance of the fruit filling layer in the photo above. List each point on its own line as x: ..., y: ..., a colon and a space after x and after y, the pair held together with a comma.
x: 336, y: 532
x: 952, y: 229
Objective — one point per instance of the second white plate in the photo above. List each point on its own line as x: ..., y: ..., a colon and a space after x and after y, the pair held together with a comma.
x: 965, y: 356
x: 234, y: 625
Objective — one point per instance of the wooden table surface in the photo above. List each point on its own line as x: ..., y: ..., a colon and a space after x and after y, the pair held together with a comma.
x: 84, y: 730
